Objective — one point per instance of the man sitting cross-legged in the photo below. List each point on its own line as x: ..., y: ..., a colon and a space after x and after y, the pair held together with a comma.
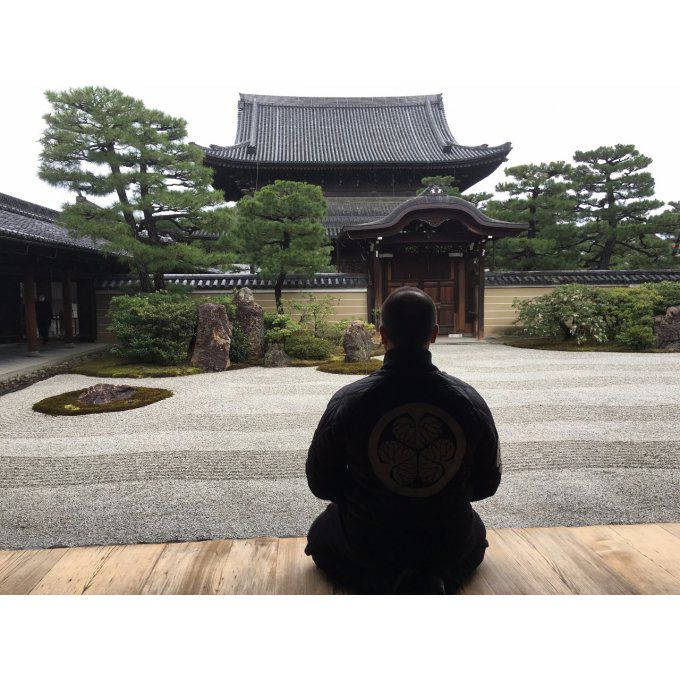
x: 400, y: 454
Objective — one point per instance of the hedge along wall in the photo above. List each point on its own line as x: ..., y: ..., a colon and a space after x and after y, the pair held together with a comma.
x: 499, y: 312
x: 349, y: 304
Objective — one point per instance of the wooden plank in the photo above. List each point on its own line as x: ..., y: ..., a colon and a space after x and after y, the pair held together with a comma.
x: 250, y: 568
x: 645, y: 575
x: 296, y: 573
x: 125, y: 570
x: 476, y: 585
x: 514, y: 566
x: 672, y: 528
x: 659, y: 545
x: 74, y: 572
x: 582, y: 571
x: 21, y: 570
x: 189, y: 569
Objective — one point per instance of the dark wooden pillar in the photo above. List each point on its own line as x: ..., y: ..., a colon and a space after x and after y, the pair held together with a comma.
x: 67, y: 303
x: 461, y: 280
x: 480, y: 298
x: 29, y: 314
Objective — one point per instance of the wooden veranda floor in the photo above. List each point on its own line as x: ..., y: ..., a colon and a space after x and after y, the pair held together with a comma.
x: 638, y: 559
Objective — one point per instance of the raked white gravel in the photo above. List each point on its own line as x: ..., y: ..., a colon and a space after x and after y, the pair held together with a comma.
x: 587, y: 438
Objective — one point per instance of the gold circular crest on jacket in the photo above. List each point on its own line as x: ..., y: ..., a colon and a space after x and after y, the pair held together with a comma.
x: 416, y: 449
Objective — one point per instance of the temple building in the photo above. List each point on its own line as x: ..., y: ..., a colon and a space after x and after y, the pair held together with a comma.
x: 370, y: 155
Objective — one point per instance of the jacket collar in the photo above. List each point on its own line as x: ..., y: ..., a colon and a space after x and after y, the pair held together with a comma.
x: 400, y: 359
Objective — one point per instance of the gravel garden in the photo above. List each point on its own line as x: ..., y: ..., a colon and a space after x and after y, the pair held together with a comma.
x: 587, y: 438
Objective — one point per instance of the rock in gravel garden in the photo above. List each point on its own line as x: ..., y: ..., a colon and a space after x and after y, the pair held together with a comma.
x: 213, y: 338
x: 103, y: 393
x: 250, y: 317
x: 276, y: 357
x: 667, y: 329
x: 357, y: 342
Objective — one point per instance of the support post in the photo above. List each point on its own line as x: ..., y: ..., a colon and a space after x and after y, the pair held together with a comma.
x: 480, y: 297
x: 67, y: 302
x: 29, y: 314
x: 461, y: 281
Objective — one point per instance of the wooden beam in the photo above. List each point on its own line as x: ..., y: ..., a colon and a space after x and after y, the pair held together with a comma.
x: 29, y: 313
x: 67, y: 303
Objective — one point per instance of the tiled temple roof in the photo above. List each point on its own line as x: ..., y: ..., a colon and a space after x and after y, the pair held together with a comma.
x: 347, y: 211
x: 24, y: 221
x: 348, y: 131
x: 594, y: 277
x: 253, y: 281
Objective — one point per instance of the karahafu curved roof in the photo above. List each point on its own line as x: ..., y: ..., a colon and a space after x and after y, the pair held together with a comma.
x: 348, y: 130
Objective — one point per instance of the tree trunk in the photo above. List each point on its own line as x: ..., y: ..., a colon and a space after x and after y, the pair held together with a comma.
x: 277, y: 292
x: 144, y: 280
x: 158, y: 281
x: 606, y: 254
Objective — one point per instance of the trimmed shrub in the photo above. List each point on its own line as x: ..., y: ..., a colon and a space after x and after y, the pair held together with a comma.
x: 307, y: 346
x: 278, y: 328
x: 669, y: 292
x: 153, y: 328
x: 570, y: 311
x: 630, y: 315
x: 239, y: 350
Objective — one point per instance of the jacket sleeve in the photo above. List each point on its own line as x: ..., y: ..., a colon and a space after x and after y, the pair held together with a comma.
x: 487, y: 467
x: 326, y: 464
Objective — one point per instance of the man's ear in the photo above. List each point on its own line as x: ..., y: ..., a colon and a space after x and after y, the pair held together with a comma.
x: 435, y: 333
x: 383, y: 336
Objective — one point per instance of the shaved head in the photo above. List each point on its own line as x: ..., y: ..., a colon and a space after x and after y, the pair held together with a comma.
x: 408, y: 317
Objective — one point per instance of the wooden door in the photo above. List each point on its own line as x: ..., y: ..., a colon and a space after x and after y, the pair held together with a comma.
x: 433, y: 274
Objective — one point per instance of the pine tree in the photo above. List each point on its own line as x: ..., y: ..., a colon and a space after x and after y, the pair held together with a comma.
x: 615, y: 196
x: 144, y: 192
x: 281, y: 233
x: 538, y: 195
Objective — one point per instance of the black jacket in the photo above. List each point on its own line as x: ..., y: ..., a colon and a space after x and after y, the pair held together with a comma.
x: 403, y: 452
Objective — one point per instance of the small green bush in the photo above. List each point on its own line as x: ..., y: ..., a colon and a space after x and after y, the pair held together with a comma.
x: 669, y: 292
x: 630, y: 315
x: 307, y: 346
x: 570, y: 311
x: 239, y: 350
x: 153, y: 328
x: 278, y: 327
x: 314, y: 313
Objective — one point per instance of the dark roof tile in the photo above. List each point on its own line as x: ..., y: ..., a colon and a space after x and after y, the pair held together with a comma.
x: 595, y: 277
x: 348, y: 130
x: 26, y: 221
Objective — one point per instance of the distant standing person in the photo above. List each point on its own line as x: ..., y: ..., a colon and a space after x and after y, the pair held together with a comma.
x: 43, y: 315
x: 401, y: 454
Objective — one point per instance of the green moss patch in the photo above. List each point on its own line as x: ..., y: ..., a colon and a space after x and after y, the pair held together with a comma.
x: 559, y: 345
x: 110, y: 366
x: 67, y: 404
x: 358, y: 368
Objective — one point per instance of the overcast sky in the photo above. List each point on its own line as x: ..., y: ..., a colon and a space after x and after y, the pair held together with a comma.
x: 551, y: 77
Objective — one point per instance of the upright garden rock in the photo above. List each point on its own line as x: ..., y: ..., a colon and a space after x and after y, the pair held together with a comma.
x: 104, y: 393
x: 667, y: 329
x: 357, y: 342
x: 276, y: 357
x: 250, y: 318
x: 213, y: 338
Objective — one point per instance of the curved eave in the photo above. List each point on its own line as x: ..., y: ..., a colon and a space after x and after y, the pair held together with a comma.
x: 473, y: 218
x: 222, y: 156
